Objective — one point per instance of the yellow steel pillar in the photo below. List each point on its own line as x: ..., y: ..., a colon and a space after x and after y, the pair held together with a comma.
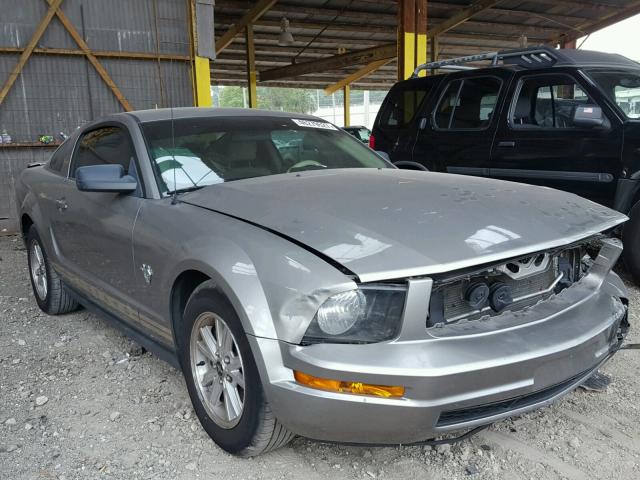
x: 251, y: 68
x: 202, y: 73
x: 406, y: 38
x: 412, y: 36
x: 346, y: 90
x: 202, y: 50
x: 421, y: 34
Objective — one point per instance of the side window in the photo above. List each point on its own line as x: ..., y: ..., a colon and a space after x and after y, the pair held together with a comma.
x: 468, y: 104
x: 402, y: 104
x: 548, y: 103
x: 59, y: 162
x: 107, y: 145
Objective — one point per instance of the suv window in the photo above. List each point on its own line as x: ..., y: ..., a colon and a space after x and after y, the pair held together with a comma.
x: 622, y: 87
x: 106, y: 145
x: 403, y: 103
x: 548, y: 103
x: 59, y: 162
x: 468, y: 104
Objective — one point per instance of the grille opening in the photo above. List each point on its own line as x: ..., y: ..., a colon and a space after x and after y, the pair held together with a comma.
x: 454, y: 417
x: 519, y: 283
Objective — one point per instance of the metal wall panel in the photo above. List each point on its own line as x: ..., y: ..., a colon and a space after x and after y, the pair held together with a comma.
x: 59, y: 93
x: 12, y: 162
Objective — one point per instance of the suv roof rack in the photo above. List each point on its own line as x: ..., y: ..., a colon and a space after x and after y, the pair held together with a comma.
x: 538, y: 57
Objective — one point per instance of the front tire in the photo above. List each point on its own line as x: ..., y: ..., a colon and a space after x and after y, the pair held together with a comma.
x: 631, y: 241
x: 222, y: 377
x: 48, y: 288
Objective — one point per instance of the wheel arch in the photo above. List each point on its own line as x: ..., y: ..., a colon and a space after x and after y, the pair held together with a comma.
x: 183, y: 286
x: 25, y: 224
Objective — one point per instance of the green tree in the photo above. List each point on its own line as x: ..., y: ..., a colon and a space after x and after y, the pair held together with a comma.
x: 286, y: 99
x: 270, y: 98
x: 231, y: 97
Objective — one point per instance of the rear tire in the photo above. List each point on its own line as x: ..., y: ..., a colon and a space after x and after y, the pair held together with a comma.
x: 631, y: 241
x: 214, y: 373
x: 48, y: 288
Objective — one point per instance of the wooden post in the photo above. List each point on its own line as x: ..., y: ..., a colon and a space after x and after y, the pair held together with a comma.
x: 251, y: 68
x: 346, y: 90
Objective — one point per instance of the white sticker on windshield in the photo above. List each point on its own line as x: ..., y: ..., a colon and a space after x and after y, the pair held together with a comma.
x: 312, y: 124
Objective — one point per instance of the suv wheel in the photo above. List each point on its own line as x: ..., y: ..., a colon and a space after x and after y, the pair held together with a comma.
x: 51, y: 294
x: 222, y: 377
x: 631, y: 241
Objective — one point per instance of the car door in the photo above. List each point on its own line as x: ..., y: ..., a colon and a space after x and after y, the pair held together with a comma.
x: 540, y: 144
x: 93, y: 229
x: 396, y: 124
x: 456, y: 135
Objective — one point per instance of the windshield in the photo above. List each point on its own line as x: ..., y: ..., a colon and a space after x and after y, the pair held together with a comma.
x: 623, y: 87
x: 196, y: 152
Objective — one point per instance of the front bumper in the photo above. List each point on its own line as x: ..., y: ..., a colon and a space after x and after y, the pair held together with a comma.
x: 456, y: 377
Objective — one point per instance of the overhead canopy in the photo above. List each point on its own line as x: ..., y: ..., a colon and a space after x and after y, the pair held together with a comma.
x: 335, y: 38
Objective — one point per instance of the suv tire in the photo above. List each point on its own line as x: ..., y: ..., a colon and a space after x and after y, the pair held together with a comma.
x: 51, y: 294
x: 631, y: 241
x: 222, y: 376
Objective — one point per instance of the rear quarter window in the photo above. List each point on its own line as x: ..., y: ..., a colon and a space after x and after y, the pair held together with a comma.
x: 403, y: 103
x: 59, y: 162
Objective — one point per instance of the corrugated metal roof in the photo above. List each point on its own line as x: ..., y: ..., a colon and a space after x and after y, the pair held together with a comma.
x: 358, y: 24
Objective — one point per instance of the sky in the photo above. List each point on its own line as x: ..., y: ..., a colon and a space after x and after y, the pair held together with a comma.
x: 618, y: 38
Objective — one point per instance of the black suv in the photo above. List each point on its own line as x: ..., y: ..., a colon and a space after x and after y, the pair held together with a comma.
x: 567, y: 119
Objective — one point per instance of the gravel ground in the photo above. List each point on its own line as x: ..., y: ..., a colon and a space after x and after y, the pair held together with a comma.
x: 80, y: 400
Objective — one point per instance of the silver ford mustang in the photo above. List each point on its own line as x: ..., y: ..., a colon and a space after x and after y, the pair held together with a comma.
x: 306, y: 286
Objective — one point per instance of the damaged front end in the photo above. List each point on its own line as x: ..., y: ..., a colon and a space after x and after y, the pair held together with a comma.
x: 518, y: 284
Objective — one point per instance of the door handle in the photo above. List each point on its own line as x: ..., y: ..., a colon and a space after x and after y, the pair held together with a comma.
x: 61, y: 204
x: 506, y: 144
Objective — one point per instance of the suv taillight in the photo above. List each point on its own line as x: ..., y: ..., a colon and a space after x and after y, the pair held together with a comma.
x: 372, y: 142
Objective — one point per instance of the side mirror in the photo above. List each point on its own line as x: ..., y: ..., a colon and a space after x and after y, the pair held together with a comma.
x: 105, y: 178
x: 409, y: 165
x: 588, y: 116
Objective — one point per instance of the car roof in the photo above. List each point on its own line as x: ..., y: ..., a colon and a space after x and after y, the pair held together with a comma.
x: 144, y: 116
x: 516, y: 60
x: 591, y: 58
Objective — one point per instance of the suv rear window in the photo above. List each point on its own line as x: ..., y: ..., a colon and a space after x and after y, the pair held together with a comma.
x: 403, y: 103
x: 468, y: 104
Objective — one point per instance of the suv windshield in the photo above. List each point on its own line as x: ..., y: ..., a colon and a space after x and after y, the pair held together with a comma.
x: 196, y: 152
x: 623, y: 87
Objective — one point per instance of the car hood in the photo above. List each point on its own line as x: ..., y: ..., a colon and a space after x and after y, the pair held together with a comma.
x: 389, y: 223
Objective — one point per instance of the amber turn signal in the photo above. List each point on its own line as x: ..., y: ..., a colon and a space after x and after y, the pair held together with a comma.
x: 358, y: 388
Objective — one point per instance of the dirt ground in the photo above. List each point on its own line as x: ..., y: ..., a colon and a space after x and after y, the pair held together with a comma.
x: 80, y: 400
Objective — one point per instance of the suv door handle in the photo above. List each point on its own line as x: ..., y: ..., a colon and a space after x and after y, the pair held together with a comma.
x: 506, y: 144
x: 61, y: 204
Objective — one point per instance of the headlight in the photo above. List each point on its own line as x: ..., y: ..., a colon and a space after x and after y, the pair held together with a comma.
x: 371, y: 313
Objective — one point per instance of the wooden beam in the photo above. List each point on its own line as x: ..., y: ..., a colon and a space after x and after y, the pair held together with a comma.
x: 615, y: 16
x: 251, y: 16
x: 372, y: 54
x: 26, y: 53
x: 335, y: 62
x: 355, y: 76
x: 90, y: 56
x: 99, y: 54
x: 461, y: 17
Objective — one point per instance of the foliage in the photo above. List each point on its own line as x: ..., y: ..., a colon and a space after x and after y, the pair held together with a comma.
x: 270, y: 98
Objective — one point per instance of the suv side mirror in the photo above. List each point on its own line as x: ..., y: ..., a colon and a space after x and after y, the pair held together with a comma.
x: 104, y: 178
x: 588, y: 116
